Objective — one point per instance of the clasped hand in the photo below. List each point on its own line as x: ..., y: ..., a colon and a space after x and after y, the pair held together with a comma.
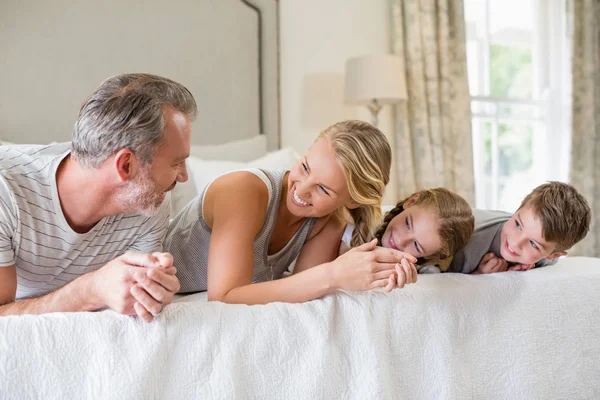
x: 137, y: 283
x: 491, y: 263
x: 369, y: 266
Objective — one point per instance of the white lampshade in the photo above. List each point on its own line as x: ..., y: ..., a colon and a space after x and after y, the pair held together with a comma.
x: 375, y: 77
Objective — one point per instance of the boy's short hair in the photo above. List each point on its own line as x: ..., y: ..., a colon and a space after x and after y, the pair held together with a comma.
x: 564, y: 213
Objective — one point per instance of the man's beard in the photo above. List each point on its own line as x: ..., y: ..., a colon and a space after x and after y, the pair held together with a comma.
x: 141, y: 196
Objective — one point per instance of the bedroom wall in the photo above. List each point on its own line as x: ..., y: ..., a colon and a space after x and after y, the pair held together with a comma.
x: 55, y: 53
x: 316, y: 38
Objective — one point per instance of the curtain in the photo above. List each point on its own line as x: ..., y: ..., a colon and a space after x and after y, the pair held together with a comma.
x: 432, y: 130
x: 585, y: 150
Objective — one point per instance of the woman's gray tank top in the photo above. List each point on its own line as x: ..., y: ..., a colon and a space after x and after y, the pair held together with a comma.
x: 188, y: 240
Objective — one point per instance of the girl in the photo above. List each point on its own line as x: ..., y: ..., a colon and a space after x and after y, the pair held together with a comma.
x: 248, y: 226
x: 432, y: 225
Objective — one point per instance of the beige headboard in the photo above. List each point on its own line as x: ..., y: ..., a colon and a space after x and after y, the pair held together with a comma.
x: 54, y: 53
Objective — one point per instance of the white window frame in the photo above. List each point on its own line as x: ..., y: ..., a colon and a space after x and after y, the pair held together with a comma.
x: 551, y: 102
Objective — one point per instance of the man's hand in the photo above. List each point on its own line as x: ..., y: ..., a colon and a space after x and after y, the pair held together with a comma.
x: 156, y: 285
x: 136, y: 278
x: 491, y: 264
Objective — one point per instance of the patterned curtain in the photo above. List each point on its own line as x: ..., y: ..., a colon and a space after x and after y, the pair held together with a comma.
x: 585, y: 151
x: 432, y: 130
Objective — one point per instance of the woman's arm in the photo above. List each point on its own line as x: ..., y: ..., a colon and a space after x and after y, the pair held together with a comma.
x: 362, y: 268
x: 343, y: 248
x: 235, y: 208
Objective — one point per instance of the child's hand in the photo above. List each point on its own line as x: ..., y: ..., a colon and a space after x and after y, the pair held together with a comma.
x: 406, y: 273
x: 491, y: 264
x: 521, y: 267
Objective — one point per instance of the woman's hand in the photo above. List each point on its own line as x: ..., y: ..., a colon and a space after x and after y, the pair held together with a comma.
x: 369, y: 267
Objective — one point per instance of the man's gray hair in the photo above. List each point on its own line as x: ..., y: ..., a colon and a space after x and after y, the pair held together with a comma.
x: 127, y: 112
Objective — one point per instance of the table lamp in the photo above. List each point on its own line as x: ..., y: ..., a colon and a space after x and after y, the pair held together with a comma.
x: 375, y: 80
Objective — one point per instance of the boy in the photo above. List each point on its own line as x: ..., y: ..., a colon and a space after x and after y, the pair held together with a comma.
x: 550, y: 220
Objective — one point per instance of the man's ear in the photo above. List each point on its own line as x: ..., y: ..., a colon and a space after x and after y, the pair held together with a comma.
x: 410, y: 201
x: 556, y: 255
x: 125, y: 164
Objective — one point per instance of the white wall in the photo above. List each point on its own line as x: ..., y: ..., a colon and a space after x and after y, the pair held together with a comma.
x: 53, y: 54
x: 316, y: 37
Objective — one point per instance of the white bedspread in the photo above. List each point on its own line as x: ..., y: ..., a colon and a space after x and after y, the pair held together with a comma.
x: 515, y: 335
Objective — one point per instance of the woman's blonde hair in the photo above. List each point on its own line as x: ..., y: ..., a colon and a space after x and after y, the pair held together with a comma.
x: 455, y: 218
x: 366, y: 158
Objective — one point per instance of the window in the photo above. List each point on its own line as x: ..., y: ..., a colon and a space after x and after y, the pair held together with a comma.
x: 519, y: 78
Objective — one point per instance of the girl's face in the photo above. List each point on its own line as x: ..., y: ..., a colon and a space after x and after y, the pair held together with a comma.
x: 414, y: 231
x: 317, y: 183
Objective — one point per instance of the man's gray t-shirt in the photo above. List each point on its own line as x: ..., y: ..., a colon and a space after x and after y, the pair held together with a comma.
x: 35, y: 236
x: 485, y: 239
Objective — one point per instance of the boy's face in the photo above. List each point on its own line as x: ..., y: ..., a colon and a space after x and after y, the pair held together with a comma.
x: 522, y: 240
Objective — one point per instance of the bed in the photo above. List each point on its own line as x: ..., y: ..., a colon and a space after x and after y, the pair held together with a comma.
x: 517, y: 335
x: 513, y: 335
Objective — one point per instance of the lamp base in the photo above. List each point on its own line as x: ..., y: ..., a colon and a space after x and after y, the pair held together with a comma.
x: 374, y: 107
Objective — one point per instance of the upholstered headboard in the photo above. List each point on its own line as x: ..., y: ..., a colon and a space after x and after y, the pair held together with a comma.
x: 54, y: 53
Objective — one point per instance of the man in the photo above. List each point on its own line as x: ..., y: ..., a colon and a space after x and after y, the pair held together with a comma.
x: 81, y: 228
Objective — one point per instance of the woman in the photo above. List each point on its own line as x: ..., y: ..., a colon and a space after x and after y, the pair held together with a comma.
x: 238, y: 237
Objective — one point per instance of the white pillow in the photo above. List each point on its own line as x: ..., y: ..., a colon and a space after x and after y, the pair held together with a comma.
x: 204, y: 171
x: 182, y: 194
x: 280, y: 159
x: 201, y: 172
x: 239, y: 150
